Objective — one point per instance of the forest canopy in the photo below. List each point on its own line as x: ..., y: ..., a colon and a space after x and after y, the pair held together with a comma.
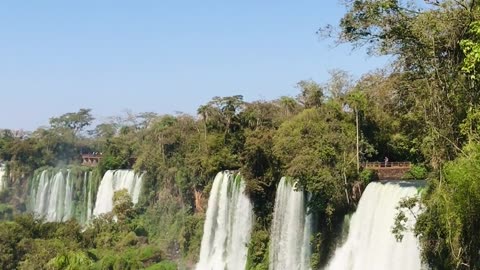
x: 423, y: 108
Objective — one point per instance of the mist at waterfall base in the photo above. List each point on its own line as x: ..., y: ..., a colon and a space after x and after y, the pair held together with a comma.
x: 291, y: 229
x: 228, y: 225
x: 60, y: 195
x: 370, y: 244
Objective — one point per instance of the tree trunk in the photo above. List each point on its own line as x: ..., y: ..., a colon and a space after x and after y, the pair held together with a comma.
x: 358, y: 140
x: 345, y: 177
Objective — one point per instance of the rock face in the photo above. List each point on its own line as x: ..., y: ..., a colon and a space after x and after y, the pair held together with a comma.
x: 391, y: 173
x: 389, y: 170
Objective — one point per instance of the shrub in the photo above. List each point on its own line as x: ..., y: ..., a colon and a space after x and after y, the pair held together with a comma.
x: 367, y: 176
x: 417, y: 172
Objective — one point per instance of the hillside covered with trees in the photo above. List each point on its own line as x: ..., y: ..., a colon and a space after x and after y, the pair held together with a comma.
x: 423, y: 107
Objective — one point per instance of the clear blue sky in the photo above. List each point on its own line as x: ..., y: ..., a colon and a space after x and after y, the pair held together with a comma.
x: 158, y: 55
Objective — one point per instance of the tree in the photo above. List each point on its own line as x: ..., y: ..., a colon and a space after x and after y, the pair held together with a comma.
x: 289, y: 105
x: 317, y: 147
x: 357, y: 101
x: 105, y: 130
x: 123, y: 206
x: 471, y: 49
x: 339, y: 84
x: 146, y: 119
x: 73, y: 121
x: 311, y: 94
x: 426, y: 47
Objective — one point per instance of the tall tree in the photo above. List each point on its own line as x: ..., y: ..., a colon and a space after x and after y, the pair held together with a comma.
x: 74, y: 121
x: 426, y: 47
x: 311, y: 94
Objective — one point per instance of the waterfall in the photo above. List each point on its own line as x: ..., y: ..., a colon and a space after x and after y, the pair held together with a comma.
x: 370, y: 243
x: 60, y: 195
x: 228, y: 225
x: 3, y: 181
x: 89, y: 187
x: 291, y: 230
x: 52, y: 197
x: 114, y: 181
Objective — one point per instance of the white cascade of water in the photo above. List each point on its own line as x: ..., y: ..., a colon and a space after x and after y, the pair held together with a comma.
x: 370, y: 243
x: 291, y: 230
x: 2, y: 177
x: 52, y: 199
x: 89, y: 188
x: 114, y: 181
x: 227, y: 226
x: 68, y: 201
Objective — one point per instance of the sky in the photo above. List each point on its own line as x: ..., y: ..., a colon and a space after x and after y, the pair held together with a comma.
x: 160, y: 55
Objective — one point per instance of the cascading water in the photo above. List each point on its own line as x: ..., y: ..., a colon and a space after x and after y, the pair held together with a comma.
x: 60, y: 195
x: 52, y: 197
x: 227, y: 226
x: 370, y: 243
x: 88, y: 190
x: 291, y: 230
x: 114, y: 181
x: 2, y: 177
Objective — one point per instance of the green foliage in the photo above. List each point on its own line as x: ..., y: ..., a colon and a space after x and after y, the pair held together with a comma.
x: 471, y: 49
x: 417, y: 172
x: 401, y: 218
x: 448, y: 227
x: 258, y: 250
x: 317, y: 147
x: 311, y: 94
x: 118, y: 153
x: 163, y: 266
x: 71, y: 261
x: 367, y: 176
x: 74, y: 121
x: 10, y: 234
x: 123, y: 206
x: 6, y: 212
x: 28, y: 243
x: 260, y: 169
x: 192, y: 236
x: 423, y: 108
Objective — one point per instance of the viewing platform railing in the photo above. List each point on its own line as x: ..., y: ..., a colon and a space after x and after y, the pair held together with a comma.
x: 387, y: 164
x: 91, y: 159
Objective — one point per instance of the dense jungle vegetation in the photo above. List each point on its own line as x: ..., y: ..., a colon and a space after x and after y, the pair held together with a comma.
x: 423, y: 107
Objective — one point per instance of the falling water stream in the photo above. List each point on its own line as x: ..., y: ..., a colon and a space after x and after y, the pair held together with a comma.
x: 370, y: 244
x: 291, y: 229
x: 227, y: 226
x: 114, y: 181
x: 2, y: 177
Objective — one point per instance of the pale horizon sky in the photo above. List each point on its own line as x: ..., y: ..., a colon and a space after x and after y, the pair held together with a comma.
x: 160, y: 56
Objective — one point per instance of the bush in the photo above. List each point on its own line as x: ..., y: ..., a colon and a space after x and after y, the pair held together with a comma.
x: 417, y: 172
x: 258, y: 250
x: 367, y: 176
x: 165, y: 265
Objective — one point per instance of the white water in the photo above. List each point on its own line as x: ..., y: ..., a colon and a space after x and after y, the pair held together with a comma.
x: 114, y: 181
x: 2, y: 177
x: 88, y: 186
x: 52, y: 199
x: 53, y: 195
x: 291, y: 230
x: 370, y: 243
x: 227, y: 226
